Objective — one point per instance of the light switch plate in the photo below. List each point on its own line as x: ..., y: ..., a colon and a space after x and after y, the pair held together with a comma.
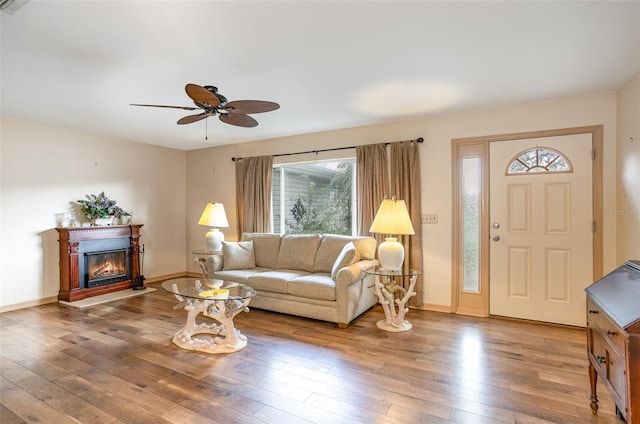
x: 430, y: 218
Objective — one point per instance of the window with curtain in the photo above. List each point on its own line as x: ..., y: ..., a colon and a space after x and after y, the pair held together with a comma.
x: 314, y: 197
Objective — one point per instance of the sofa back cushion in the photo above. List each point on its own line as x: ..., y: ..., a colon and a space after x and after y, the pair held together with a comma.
x: 238, y: 255
x: 298, y: 251
x: 330, y: 247
x: 266, y: 247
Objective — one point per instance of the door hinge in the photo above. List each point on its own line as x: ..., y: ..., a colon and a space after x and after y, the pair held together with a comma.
x: 593, y: 154
x: 593, y: 226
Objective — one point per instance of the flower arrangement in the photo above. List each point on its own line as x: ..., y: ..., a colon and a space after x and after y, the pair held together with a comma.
x: 100, y: 206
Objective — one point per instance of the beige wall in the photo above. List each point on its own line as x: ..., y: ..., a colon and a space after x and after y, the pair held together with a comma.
x: 210, y: 172
x: 627, y: 212
x: 45, y: 168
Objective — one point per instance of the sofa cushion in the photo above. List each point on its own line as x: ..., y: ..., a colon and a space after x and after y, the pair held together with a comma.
x: 238, y: 255
x: 239, y: 275
x: 330, y: 247
x: 298, y: 251
x: 266, y: 247
x: 313, y: 286
x: 346, y: 257
x: 274, y: 281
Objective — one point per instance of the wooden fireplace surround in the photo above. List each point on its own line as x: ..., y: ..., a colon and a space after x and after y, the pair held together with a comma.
x: 69, y: 243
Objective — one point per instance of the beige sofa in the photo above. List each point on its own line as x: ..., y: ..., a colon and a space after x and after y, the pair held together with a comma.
x: 309, y: 275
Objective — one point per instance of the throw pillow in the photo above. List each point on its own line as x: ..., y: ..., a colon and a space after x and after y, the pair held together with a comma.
x: 329, y: 249
x: 238, y: 255
x: 345, y: 258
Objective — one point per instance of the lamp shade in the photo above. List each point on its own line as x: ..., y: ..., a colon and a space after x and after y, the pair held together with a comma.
x: 392, y: 218
x: 214, y: 216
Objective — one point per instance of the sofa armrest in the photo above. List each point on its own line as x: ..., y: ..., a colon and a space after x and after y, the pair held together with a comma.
x: 352, y: 273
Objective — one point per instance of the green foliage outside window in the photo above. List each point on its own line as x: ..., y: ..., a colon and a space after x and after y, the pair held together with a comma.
x: 323, y: 208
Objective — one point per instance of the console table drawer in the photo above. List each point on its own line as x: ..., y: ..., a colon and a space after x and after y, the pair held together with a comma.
x: 610, y: 330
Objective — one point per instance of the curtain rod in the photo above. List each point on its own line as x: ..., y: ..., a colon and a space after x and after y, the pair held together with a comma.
x: 420, y: 140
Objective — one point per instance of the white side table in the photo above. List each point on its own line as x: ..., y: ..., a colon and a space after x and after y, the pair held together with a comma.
x: 394, y: 306
x: 207, y: 261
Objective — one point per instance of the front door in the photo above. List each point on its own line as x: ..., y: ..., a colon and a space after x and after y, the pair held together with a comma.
x: 541, y: 248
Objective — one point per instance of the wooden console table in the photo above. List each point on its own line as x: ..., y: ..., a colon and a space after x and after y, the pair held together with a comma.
x: 613, y: 339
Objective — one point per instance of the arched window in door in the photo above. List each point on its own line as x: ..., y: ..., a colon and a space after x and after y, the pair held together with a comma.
x: 539, y: 160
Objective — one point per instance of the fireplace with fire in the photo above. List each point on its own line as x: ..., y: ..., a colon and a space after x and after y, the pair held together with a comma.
x: 98, y: 260
x: 105, y: 267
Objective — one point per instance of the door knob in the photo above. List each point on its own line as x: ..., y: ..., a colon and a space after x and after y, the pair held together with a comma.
x: 496, y: 225
x: 496, y: 238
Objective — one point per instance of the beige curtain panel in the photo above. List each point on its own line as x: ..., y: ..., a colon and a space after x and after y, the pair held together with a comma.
x: 253, y: 194
x: 372, y: 184
x: 405, y: 185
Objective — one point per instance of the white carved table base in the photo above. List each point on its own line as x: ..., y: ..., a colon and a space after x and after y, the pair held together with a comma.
x: 394, y: 309
x: 223, y: 311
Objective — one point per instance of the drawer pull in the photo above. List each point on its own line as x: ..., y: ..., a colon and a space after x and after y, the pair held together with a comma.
x: 594, y: 311
x: 611, y: 333
x: 601, y: 359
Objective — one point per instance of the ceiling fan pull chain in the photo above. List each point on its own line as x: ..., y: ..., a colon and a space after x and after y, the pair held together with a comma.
x: 206, y: 129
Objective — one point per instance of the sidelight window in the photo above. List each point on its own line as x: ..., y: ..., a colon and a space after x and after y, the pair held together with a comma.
x: 471, y: 218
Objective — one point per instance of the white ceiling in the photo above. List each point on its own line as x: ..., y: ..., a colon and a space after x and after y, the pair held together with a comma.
x: 329, y: 65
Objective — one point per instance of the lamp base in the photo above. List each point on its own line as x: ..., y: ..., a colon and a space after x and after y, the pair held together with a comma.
x: 391, y: 254
x: 213, y: 240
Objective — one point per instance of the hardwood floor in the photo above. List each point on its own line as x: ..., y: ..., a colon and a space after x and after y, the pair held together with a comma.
x: 115, y: 363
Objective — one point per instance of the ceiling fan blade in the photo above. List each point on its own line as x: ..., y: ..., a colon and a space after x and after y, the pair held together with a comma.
x: 201, y: 95
x: 172, y: 107
x: 193, y: 118
x: 238, y: 119
x: 251, y: 106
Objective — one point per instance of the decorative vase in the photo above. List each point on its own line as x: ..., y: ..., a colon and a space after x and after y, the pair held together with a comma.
x: 102, y: 222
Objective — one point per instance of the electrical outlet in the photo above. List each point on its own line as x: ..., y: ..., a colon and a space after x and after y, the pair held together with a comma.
x: 429, y: 218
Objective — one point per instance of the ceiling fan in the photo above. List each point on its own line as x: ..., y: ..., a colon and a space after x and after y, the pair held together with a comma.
x: 207, y: 99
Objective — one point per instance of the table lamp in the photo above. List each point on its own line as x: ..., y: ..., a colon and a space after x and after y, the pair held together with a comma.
x: 393, y: 219
x: 213, y: 216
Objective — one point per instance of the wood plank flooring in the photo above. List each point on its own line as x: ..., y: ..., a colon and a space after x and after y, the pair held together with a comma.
x: 115, y: 363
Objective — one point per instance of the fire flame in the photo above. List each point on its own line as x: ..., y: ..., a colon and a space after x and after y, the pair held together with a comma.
x: 108, y: 268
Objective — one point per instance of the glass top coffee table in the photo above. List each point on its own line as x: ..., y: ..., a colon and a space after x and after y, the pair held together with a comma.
x: 221, y: 304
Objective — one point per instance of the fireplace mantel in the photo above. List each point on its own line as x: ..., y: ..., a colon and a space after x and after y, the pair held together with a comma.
x: 69, y: 243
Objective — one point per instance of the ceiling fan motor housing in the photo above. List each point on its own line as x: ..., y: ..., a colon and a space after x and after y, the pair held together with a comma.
x: 214, y: 90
